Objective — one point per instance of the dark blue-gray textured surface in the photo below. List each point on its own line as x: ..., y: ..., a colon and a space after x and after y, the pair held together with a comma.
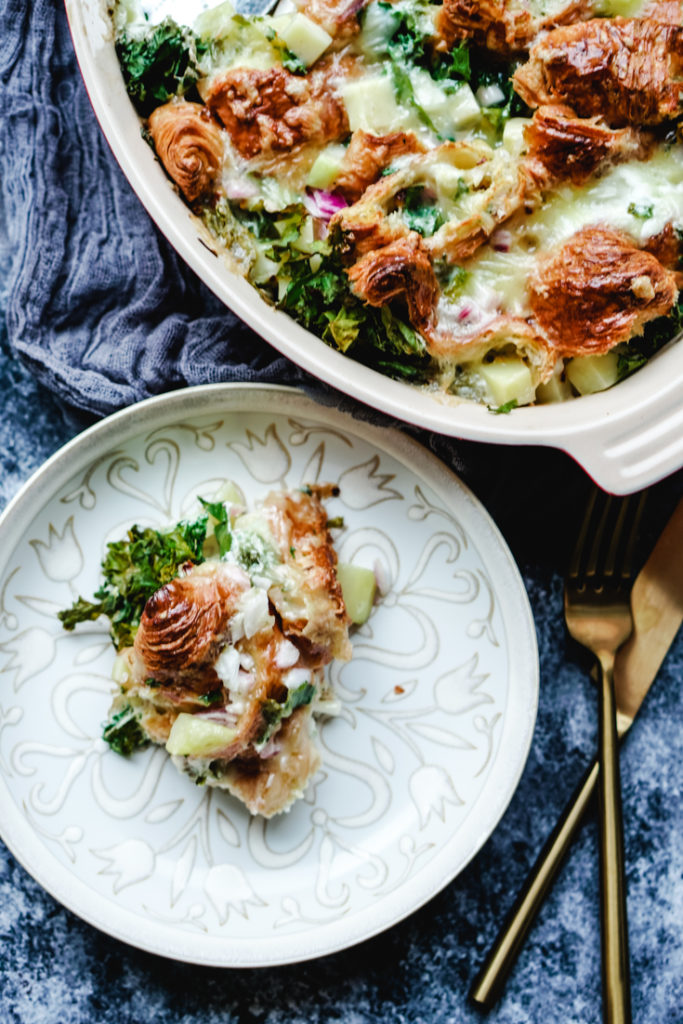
x: 63, y: 287
x: 55, y: 968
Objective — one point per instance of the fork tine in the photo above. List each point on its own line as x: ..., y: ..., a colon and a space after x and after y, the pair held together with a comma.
x: 617, y: 532
x: 579, y: 547
x: 607, y: 538
x: 596, y: 549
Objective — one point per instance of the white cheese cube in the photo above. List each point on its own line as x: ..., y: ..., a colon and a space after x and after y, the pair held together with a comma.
x: 304, y: 38
x: 216, y: 22
x: 327, y: 166
x: 513, y: 135
x: 557, y: 389
x: 463, y: 109
x: 589, y: 374
x: 371, y: 104
x: 508, y: 379
x: 198, y: 737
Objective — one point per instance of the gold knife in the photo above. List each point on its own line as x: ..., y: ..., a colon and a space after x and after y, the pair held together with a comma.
x: 657, y: 605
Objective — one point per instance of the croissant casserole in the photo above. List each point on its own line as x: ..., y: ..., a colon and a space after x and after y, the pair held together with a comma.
x: 483, y: 198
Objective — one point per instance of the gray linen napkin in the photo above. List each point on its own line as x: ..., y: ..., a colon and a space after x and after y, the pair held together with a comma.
x: 97, y: 302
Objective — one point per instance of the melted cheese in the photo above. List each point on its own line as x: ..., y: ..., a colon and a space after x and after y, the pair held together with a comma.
x: 639, y: 199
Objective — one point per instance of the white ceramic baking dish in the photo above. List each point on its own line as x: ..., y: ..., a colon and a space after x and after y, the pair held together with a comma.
x: 625, y: 438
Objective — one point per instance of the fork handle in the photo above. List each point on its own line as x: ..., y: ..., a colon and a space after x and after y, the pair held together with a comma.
x: 493, y: 973
x: 615, y: 958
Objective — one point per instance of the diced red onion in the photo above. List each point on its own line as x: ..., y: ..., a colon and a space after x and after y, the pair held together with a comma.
x: 238, y: 188
x: 271, y: 748
x: 465, y: 313
x: 501, y: 240
x: 381, y: 577
x: 221, y: 715
x: 323, y: 205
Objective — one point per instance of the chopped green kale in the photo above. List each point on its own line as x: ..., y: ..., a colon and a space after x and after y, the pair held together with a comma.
x: 222, y: 529
x: 123, y: 731
x: 274, y: 712
x: 503, y: 409
x: 133, y: 570
x: 208, y: 699
x: 643, y: 211
x: 635, y: 353
x: 160, y: 65
x: 421, y: 213
x: 403, y: 88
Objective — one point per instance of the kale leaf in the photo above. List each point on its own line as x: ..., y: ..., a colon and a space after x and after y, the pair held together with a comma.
x: 275, y: 712
x: 321, y: 299
x: 133, y: 570
x: 504, y: 409
x: 222, y: 529
x: 123, y: 731
x: 419, y: 213
x: 160, y: 65
x: 635, y: 353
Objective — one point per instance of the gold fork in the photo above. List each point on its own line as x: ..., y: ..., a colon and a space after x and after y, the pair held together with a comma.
x: 598, y: 616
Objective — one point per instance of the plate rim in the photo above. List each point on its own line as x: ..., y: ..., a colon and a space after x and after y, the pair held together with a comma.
x: 143, y: 932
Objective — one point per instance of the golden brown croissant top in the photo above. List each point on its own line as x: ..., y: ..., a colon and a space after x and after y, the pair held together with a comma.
x: 189, y: 145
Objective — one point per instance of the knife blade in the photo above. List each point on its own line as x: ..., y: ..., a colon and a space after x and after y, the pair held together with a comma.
x: 657, y: 606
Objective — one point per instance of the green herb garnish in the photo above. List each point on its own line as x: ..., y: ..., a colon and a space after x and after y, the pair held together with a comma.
x: 163, y: 64
x: 133, y: 570
x: 123, y: 731
x: 274, y: 712
x: 208, y: 699
x: 503, y: 409
x: 222, y: 529
x: 420, y: 213
x: 642, y: 211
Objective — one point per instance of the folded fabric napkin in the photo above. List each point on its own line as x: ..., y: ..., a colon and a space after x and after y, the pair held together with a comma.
x: 97, y: 302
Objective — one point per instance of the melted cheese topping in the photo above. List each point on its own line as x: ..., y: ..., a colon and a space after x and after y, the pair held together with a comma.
x: 639, y: 199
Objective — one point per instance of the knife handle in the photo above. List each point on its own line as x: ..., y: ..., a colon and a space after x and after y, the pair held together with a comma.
x: 615, y: 959
x: 492, y: 976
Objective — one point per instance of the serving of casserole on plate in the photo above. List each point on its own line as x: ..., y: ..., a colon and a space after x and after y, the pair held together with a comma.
x: 470, y: 208
x: 435, y: 710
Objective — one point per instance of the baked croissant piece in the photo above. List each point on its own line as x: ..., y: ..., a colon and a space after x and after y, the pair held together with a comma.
x: 189, y: 145
x: 625, y: 70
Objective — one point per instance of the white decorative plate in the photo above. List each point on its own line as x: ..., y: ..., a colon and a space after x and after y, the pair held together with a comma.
x: 439, y: 701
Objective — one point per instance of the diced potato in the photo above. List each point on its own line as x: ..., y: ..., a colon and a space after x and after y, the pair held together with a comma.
x: 358, y: 588
x: 463, y: 109
x: 589, y: 374
x: 304, y: 38
x: 371, y: 104
x: 557, y: 389
x: 198, y: 737
x: 327, y: 166
x: 508, y: 379
x: 513, y: 135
